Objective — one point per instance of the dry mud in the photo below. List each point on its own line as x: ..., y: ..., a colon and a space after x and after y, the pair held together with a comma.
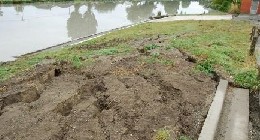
x: 116, y: 98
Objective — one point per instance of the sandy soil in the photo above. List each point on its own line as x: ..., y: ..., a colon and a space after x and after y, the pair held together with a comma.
x: 118, y: 97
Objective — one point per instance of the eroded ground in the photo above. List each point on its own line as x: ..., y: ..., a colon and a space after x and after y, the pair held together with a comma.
x: 118, y: 97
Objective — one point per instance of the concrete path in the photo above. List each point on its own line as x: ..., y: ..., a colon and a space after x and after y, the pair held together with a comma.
x: 198, y: 17
x: 234, y: 120
x: 228, y: 116
x: 237, y: 125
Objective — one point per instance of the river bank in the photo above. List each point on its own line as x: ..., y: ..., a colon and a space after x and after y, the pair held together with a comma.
x: 32, y: 1
x: 59, y: 22
x: 150, y: 80
x: 202, y: 51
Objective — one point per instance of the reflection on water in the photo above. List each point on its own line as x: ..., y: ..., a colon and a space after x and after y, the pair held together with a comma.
x: 137, y: 11
x: 1, y: 12
x: 78, y: 22
x: 29, y: 27
x: 170, y: 7
x: 105, y: 7
x: 191, y: 8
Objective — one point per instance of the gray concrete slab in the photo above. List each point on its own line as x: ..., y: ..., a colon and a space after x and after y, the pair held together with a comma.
x: 210, y: 125
x: 237, y: 125
x: 222, y: 124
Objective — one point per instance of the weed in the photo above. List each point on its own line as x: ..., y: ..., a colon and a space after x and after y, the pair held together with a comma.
x: 107, y: 51
x: 168, y: 47
x: 247, y: 79
x: 155, y: 58
x: 155, y: 55
x: 206, y: 66
x: 234, y: 9
x: 151, y: 47
x: 76, y: 62
x: 162, y: 134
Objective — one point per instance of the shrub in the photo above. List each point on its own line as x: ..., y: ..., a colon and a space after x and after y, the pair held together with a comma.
x: 234, y: 9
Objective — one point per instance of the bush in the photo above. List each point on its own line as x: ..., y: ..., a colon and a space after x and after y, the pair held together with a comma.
x: 226, y: 5
x: 234, y: 9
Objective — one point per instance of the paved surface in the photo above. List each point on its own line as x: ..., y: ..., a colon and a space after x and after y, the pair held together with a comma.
x: 234, y: 120
x: 198, y: 17
x: 221, y: 130
x: 237, y: 125
x: 210, y: 125
x: 254, y: 19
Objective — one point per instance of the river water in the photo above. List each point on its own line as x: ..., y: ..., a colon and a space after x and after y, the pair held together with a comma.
x: 27, y: 28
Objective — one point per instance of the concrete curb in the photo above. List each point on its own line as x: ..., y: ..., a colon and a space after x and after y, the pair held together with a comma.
x: 211, y: 123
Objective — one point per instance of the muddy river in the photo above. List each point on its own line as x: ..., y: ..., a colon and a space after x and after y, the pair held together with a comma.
x: 27, y: 28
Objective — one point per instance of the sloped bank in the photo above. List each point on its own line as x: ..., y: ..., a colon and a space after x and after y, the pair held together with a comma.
x: 138, y: 83
x: 119, y: 96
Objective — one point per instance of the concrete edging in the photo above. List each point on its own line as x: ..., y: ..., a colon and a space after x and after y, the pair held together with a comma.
x: 209, y: 128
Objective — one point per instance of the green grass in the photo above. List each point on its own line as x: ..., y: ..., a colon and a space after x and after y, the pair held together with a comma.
x: 33, y: 1
x: 156, y: 58
x: 218, y: 45
x: 78, y: 58
x: 224, y: 47
x: 151, y: 47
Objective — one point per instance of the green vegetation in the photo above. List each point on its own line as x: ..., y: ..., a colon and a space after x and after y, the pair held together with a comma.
x: 220, y: 46
x: 78, y: 57
x: 226, y: 5
x: 151, y: 47
x: 162, y: 134
x: 156, y: 58
x: 184, y: 138
x: 32, y: 1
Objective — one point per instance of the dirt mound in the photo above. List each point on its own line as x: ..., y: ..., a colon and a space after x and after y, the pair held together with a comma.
x: 125, y: 97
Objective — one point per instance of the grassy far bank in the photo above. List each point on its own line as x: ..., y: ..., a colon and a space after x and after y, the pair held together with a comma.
x: 33, y: 1
x: 220, y: 46
x: 28, y: 1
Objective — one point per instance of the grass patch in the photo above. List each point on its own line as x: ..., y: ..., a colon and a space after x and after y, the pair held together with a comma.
x: 33, y: 1
x: 151, y: 47
x: 156, y: 58
x: 247, y: 79
x: 205, y: 66
x: 76, y: 56
x: 222, y: 46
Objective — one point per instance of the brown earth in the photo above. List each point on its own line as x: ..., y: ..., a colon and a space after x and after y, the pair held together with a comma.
x: 254, y: 116
x: 119, y: 97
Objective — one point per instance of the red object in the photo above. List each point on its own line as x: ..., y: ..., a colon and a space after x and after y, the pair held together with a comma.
x: 246, y: 6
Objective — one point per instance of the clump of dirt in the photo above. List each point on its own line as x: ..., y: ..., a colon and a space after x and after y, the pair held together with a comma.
x: 254, y: 116
x: 126, y: 97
